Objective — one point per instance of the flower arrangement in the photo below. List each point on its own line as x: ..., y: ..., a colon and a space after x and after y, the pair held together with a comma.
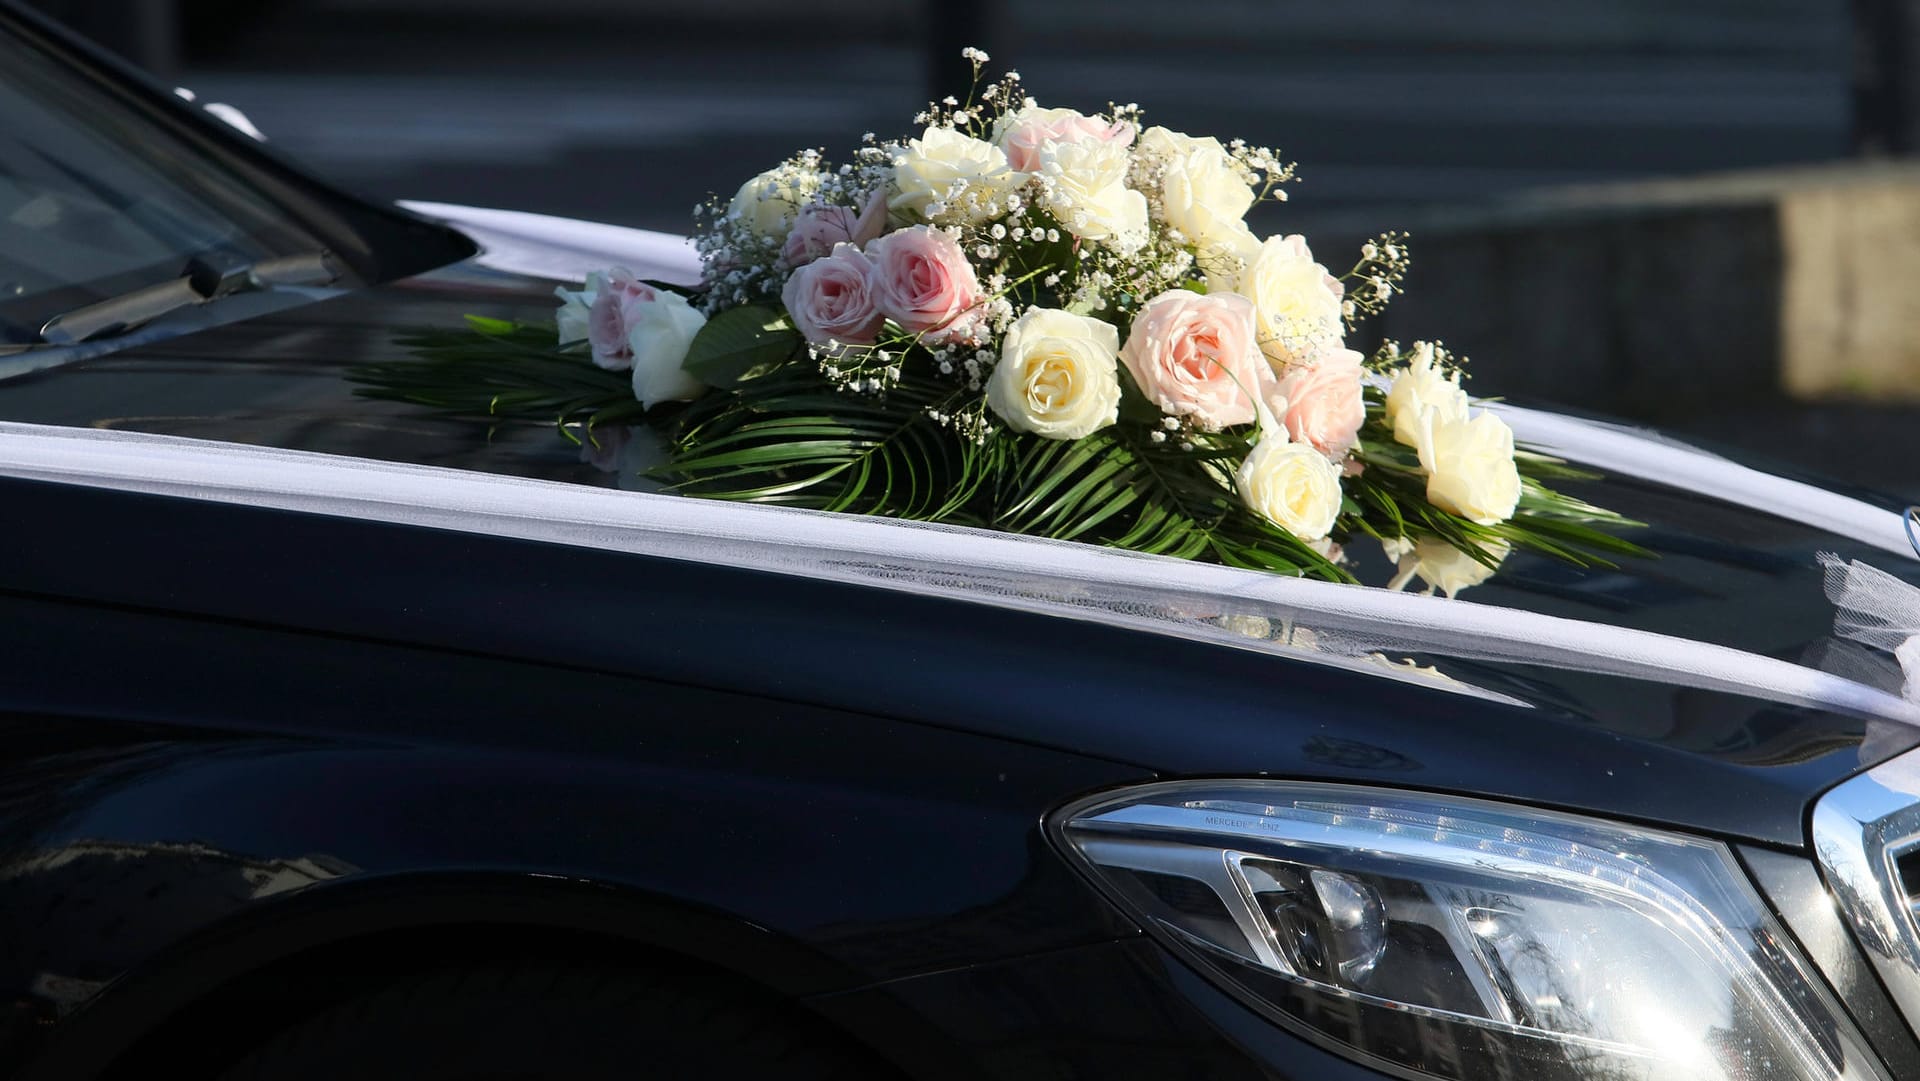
x: 1041, y: 321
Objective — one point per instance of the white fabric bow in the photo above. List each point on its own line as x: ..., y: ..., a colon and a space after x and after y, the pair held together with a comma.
x: 1876, y: 609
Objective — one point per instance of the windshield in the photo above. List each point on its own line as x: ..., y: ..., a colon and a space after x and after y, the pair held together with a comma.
x: 108, y: 186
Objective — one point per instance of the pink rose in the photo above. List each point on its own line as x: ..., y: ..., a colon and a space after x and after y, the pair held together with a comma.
x: 618, y: 297
x: 1321, y: 404
x: 1033, y: 128
x: 832, y: 299
x: 923, y: 282
x: 820, y: 227
x: 1196, y: 356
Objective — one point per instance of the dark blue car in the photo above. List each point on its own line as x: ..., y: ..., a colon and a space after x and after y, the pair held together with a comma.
x: 342, y: 739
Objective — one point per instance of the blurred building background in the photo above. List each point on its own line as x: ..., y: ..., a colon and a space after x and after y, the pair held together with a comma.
x: 1697, y: 211
x: 629, y: 110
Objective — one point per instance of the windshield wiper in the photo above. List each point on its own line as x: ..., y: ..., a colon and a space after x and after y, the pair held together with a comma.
x: 207, y: 278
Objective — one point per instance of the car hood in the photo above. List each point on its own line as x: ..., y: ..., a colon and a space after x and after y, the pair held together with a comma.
x: 1703, y: 687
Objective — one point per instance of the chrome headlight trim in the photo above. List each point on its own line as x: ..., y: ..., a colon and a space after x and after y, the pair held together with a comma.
x: 1861, y: 830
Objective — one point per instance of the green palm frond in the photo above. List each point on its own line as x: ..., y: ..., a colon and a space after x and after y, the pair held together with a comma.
x: 1120, y: 488
x: 1389, y: 500
x: 787, y: 440
x: 506, y: 371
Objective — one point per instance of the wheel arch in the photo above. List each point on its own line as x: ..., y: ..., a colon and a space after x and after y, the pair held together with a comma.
x: 268, y: 966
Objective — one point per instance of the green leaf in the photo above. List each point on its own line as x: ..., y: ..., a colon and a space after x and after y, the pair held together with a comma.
x: 785, y: 438
x: 740, y: 344
x: 1534, y: 464
x: 487, y: 325
x: 494, y: 371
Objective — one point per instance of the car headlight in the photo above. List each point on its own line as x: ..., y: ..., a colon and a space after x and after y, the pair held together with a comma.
x: 1459, y: 938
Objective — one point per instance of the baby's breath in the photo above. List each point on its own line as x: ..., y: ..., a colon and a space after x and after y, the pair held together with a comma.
x: 1375, y: 279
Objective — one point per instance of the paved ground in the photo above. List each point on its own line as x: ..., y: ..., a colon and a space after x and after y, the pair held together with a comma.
x: 1385, y: 106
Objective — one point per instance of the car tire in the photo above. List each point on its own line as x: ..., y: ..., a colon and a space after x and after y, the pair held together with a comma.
x: 532, y: 1022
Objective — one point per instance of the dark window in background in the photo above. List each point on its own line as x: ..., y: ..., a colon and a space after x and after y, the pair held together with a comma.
x: 147, y: 32
x: 1886, y: 89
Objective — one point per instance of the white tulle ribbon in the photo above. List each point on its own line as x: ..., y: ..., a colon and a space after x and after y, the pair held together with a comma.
x: 1876, y: 609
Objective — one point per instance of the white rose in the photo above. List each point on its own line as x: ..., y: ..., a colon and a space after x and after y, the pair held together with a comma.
x: 1297, y: 303
x: 1422, y: 388
x: 660, y: 332
x: 1086, y: 184
x: 1291, y: 485
x: 770, y: 203
x: 1469, y: 465
x: 1058, y: 375
x: 1226, y: 258
x: 571, y: 319
x: 1448, y: 569
x: 1202, y: 192
x: 952, y: 179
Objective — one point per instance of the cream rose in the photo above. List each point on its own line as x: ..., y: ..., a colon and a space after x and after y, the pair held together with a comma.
x: 1057, y: 376
x: 831, y: 299
x: 1469, y: 465
x: 659, y: 333
x: 1194, y: 356
x: 1022, y: 135
x: 1297, y: 300
x: 1086, y: 185
x: 1227, y: 257
x: 770, y: 203
x: 1292, y: 485
x: 1421, y: 388
x: 1201, y: 192
x: 1321, y: 402
x: 952, y: 179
